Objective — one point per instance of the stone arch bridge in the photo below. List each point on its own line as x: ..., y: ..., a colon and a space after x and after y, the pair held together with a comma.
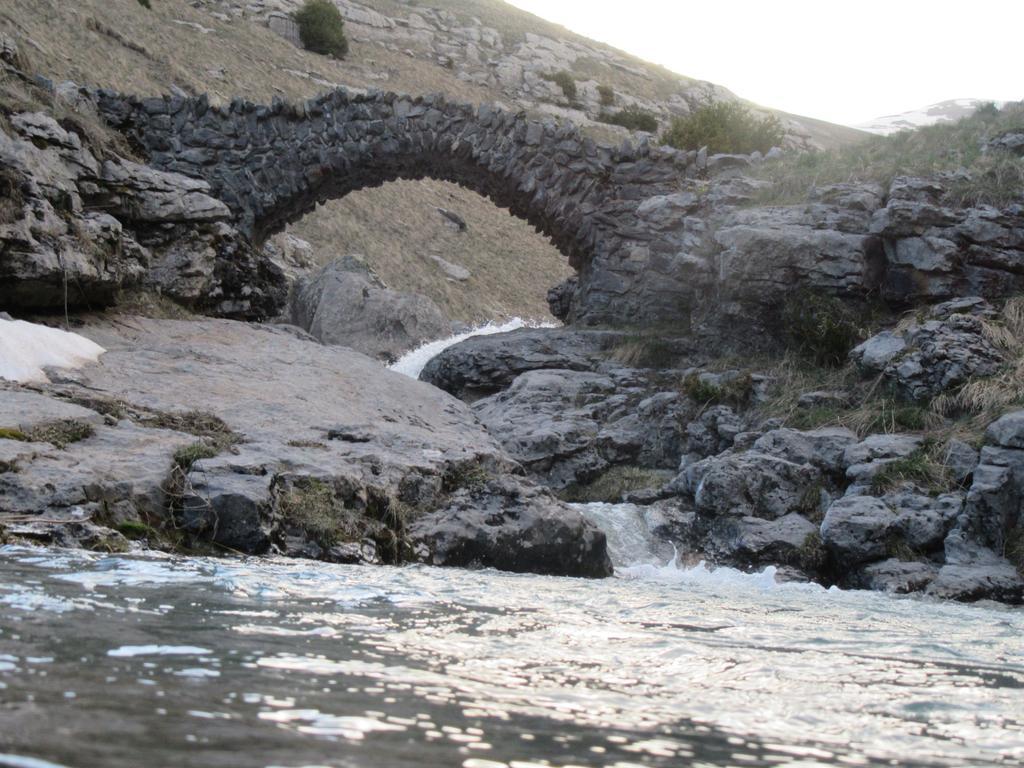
x: 614, y: 212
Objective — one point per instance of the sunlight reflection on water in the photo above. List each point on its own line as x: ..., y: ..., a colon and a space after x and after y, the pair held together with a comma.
x: 154, y: 660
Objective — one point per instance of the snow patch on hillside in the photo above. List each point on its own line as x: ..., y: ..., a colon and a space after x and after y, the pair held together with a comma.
x: 27, y: 348
x: 942, y: 112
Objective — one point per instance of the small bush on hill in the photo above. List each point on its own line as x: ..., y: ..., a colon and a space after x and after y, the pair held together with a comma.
x: 606, y: 94
x: 321, y: 28
x: 145, y: 4
x: 725, y: 126
x: 565, y: 81
x: 634, y: 118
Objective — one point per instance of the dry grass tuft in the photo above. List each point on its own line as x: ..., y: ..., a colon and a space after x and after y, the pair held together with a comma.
x: 985, y: 399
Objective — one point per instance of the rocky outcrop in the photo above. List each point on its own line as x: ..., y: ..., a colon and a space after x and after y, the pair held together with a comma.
x: 484, y: 365
x: 936, y: 354
x: 567, y: 427
x: 346, y: 304
x: 77, y: 228
x: 257, y: 439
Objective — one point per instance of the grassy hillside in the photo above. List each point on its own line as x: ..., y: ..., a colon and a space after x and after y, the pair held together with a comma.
x: 994, y: 178
x: 397, y: 228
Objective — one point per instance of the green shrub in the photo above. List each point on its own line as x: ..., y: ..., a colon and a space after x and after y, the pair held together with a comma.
x: 185, y: 457
x: 606, y: 94
x: 821, y: 327
x: 565, y: 81
x: 632, y: 117
x: 725, y: 126
x: 321, y: 28
x: 735, y: 392
x: 145, y: 4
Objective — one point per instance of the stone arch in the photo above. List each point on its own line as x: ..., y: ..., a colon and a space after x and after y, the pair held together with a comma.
x: 273, y: 164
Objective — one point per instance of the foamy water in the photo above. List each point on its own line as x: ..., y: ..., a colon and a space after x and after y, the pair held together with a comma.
x: 412, y: 363
x: 129, y: 660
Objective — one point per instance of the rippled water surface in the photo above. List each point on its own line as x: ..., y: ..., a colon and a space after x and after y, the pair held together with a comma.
x: 148, y: 660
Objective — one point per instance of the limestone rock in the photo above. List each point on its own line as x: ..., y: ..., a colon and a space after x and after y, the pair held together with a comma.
x: 514, y: 529
x: 856, y: 529
x: 346, y: 304
x: 897, y: 576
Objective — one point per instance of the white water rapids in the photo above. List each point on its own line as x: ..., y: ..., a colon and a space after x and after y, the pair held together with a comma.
x: 413, y: 362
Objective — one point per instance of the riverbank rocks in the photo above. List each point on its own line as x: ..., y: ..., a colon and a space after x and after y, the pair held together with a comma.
x: 259, y: 439
x: 934, y: 355
x: 567, y: 427
x: 484, y: 365
x: 502, y: 524
x: 346, y: 304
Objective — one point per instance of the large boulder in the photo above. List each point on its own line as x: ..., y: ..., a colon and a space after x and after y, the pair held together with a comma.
x: 483, y: 365
x: 346, y: 304
x: 856, y: 529
x: 504, y: 525
x: 566, y: 427
x: 751, y: 484
x: 320, y: 449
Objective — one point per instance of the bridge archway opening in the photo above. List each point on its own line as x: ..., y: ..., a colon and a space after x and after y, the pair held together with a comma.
x: 496, y: 267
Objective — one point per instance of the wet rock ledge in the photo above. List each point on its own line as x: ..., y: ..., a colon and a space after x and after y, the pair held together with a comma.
x: 217, y: 435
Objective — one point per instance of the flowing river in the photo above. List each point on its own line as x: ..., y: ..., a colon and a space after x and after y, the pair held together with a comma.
x: 150, y: 660
x: 147, y: 660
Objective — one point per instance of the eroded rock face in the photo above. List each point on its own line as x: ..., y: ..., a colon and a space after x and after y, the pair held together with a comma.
x: 346, y: 304
x: 75, y: 231
x: 484, y: 365
x: 566, y: 427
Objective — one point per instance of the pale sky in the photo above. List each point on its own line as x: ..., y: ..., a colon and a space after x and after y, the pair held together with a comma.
x: 846, y: 62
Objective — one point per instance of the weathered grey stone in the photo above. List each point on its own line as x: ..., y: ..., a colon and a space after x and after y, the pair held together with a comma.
x: 923, y: 522
x: 825, y: 447
x: 751, y: 485
x: 507, y: 526
x: 961, y: 459
x: 567, y: 427
x: 897, y: 576
x: 996, y: 581
x: 482, y: 365
x: 228, y: 508
x: 878, y: 351
x: 865, y: 459
x: 712, y: 432
x: 346, y: 304
x: 1007, y: 431
x: 856, y: 529
x: 754, y: 541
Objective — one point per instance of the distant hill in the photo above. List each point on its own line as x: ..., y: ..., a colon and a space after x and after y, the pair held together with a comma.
x: 943, y: 112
